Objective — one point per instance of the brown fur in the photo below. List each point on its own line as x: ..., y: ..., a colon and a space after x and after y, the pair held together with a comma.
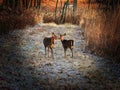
x: 49, y: 43
x: 67, y: 44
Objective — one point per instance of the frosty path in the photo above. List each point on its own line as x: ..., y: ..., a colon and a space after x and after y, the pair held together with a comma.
x: 23, y: 65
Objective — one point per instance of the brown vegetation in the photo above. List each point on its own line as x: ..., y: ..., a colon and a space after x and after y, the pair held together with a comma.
x: 101, y: 24
x: 16, y: 19
x: 102, y: 32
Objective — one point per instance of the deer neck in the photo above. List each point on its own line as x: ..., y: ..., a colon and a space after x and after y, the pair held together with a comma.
x: 53, y: 40
x: 62, y: 40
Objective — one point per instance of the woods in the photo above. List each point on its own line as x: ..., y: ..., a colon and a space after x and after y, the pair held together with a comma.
x: 59, y: 45
x: 98, y: 16
x: 22, y: 3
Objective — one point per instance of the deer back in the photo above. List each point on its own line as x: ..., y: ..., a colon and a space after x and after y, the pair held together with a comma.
x: 49, y: 41
x: 67, y: 43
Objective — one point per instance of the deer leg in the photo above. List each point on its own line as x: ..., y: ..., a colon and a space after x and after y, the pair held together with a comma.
x: 45, y: 51
x: 71, y: 51
x: 65, y: 52
x: 52, y: 52
x: 48, y: 51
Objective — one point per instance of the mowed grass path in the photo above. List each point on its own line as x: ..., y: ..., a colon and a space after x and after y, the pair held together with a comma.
x: 23, y: 65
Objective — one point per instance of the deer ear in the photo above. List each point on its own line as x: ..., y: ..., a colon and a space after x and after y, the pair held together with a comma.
x: 64, y: 34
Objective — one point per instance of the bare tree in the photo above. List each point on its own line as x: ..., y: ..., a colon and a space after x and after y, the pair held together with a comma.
x: 56, y: 9
x: 63, y: 16
x: 74, y: 8
x: 40, y: 4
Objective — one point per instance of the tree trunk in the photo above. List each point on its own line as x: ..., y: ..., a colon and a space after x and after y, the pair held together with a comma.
x: 40, y: 4
x: 56, y: 9
x: 18, y: 3
x: 21, y: 4
x: 75, y: 8
x: 24, y: 3
x: 29, y: 3
x: 34, y: 3
x: 63, y: 16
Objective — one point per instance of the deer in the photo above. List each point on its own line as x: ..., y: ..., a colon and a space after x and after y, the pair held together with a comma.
x: 66, y: 44
x: 49, y: 43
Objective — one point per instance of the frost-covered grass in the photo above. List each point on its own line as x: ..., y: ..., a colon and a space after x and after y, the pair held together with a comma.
x: 23, y: 65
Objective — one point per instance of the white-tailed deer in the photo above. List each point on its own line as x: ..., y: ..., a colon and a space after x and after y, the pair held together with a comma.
x: 49, y: 43
x: 67, y: 44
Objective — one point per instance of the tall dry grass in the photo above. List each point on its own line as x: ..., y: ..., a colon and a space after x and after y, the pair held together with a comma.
x: 18, y: 19
x: 102, y: 32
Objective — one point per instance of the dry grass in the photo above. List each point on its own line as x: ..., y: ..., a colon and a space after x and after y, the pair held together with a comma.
x: 17, y: 19
x: 102, y: 32
x: 48, y: 17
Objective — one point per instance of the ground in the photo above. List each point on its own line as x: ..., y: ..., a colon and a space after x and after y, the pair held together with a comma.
x: 24, y: 66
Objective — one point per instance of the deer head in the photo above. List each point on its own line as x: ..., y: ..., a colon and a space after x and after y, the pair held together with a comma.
x: 62, y: 37
x: 55, y: 37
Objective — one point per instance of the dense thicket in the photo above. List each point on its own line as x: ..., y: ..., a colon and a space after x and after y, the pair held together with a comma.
x: 22, y: 3
x: 102, y: 30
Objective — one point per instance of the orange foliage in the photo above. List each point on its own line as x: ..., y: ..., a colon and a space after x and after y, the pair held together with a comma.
x: 1, y: 1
